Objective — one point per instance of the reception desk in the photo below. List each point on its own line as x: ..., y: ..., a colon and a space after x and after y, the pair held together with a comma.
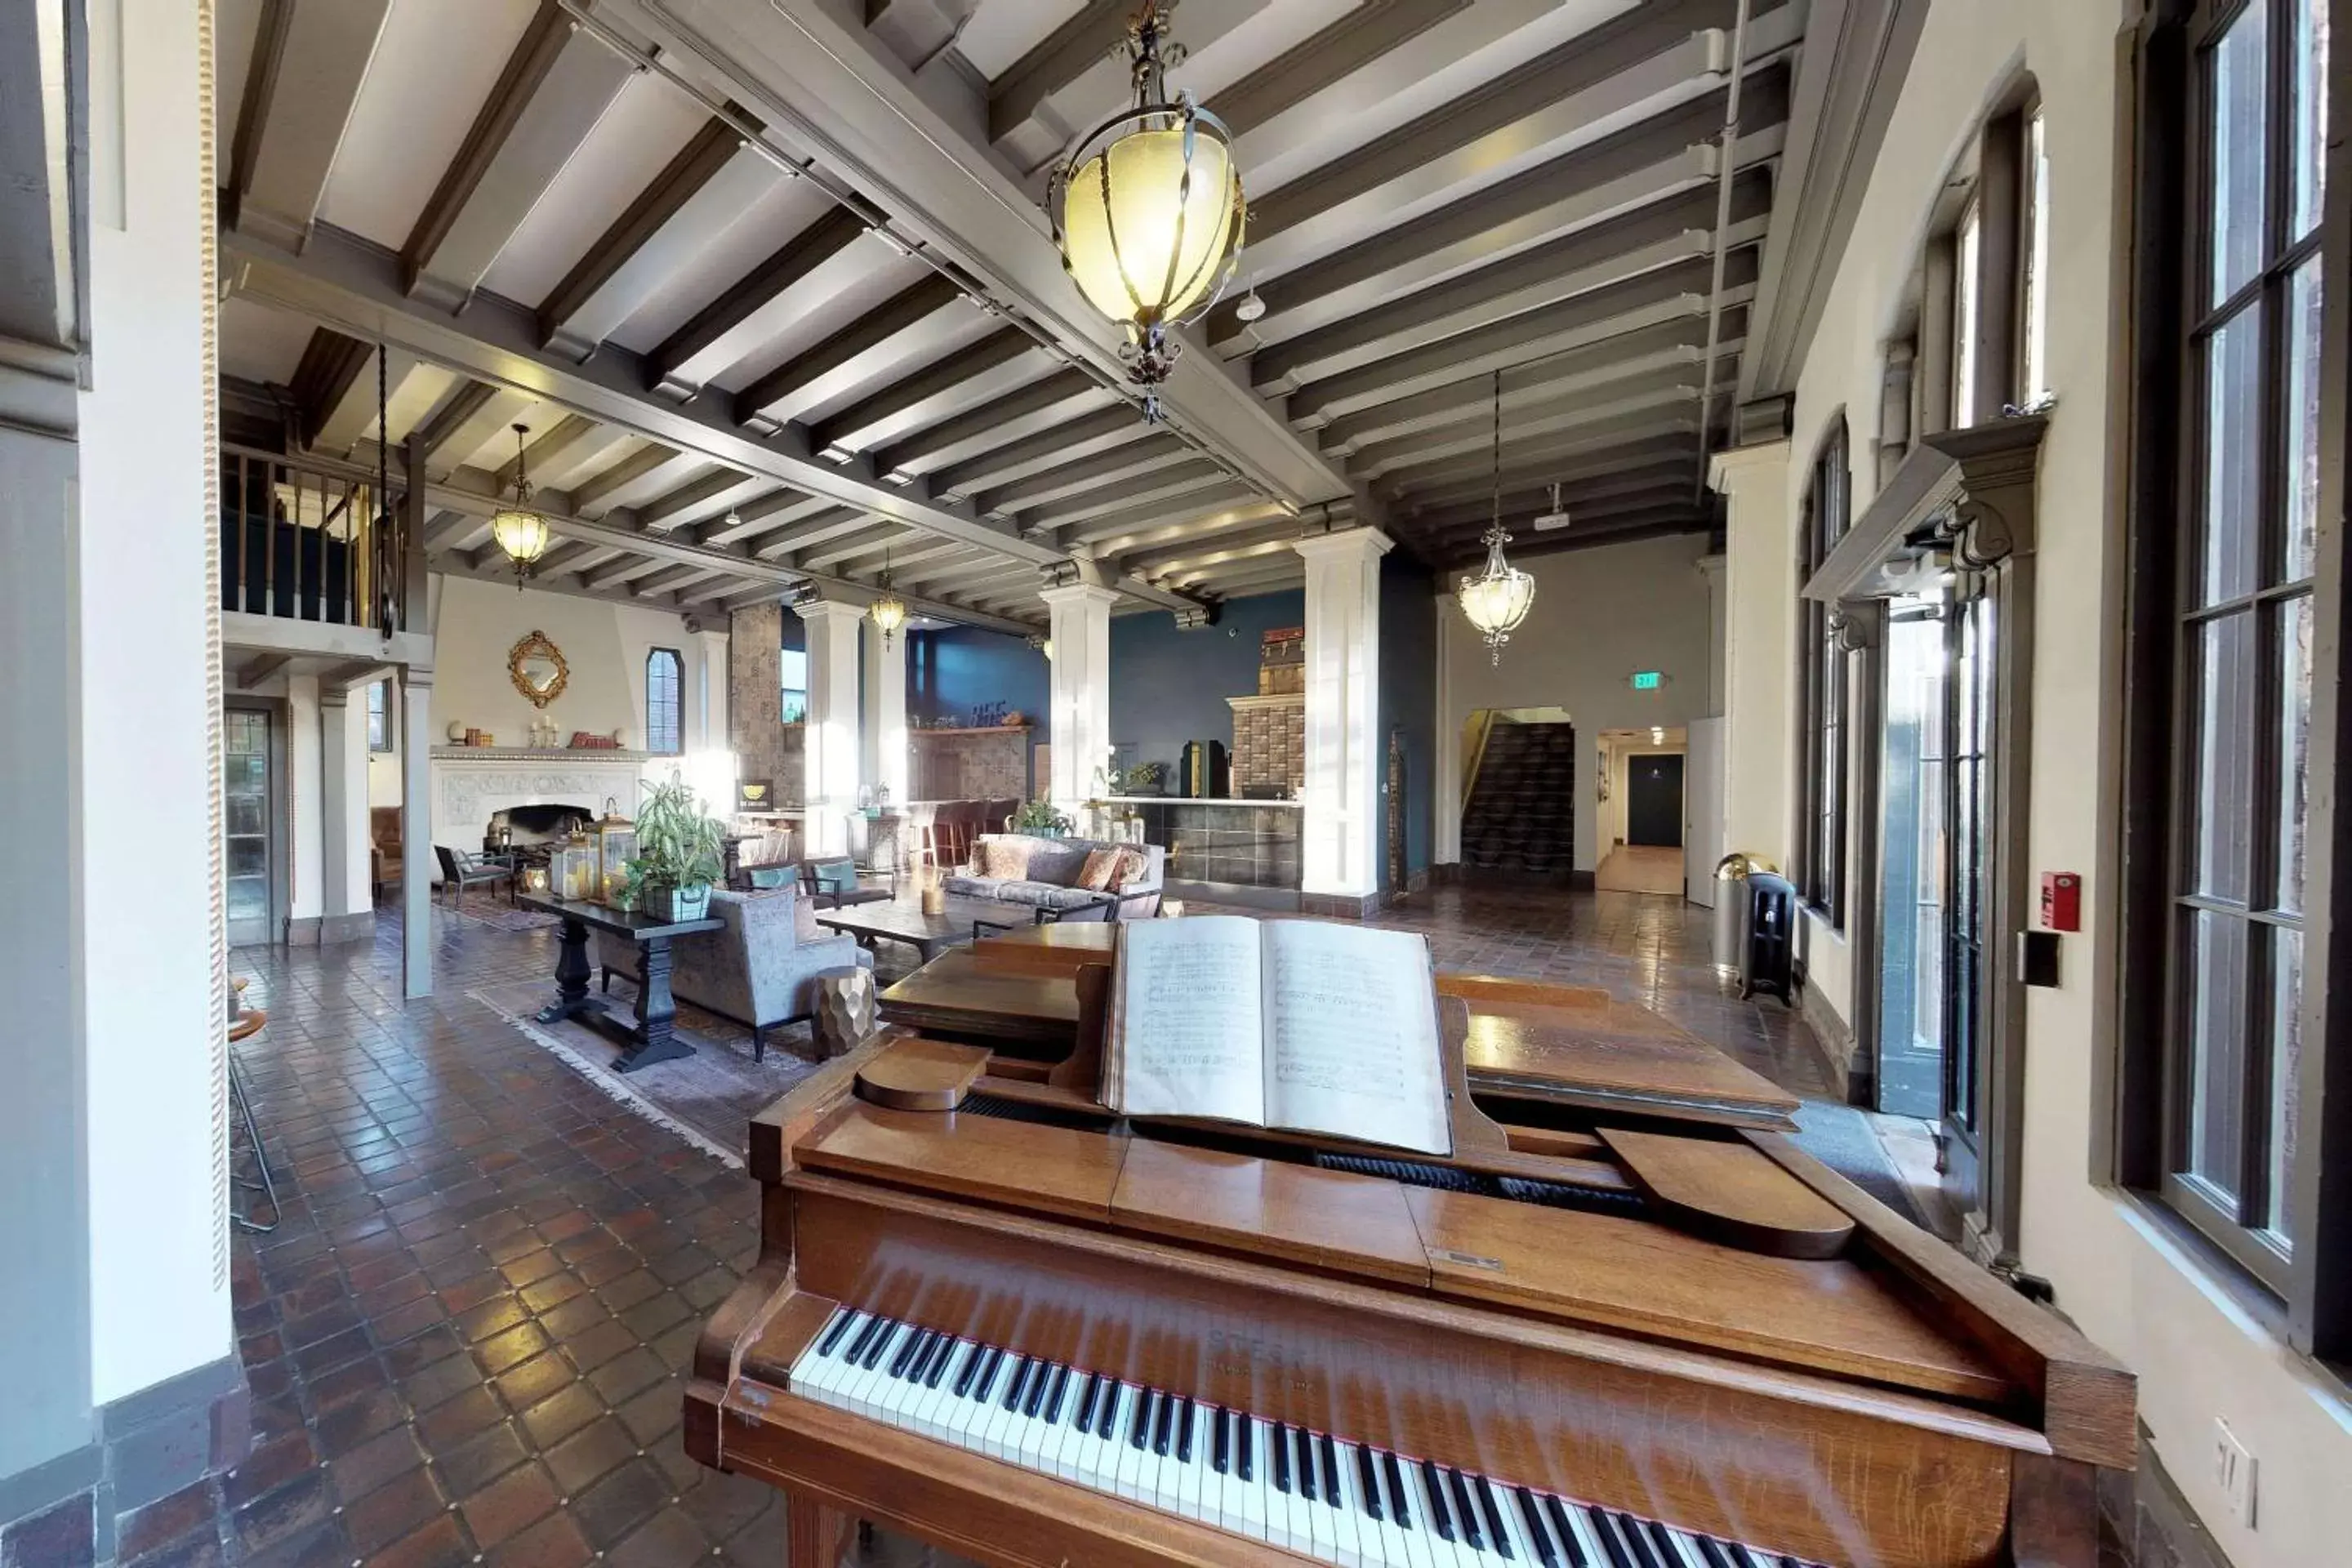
x: 1225, y: 851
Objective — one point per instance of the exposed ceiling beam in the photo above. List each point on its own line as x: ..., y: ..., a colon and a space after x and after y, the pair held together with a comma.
x: 772, y: 509
x: 1205, y: 524
x: 1082, y: 41
x: 1141, y: 519
x: 669, y: 579
x: 1178, y: 480
x: 324, y: 378
x: 889, y: 557
x: 1672, y: 389
x: 1530, y: 484
x: 300, y: 89
x: 629, y: 569
x: 1607, y: 435
x: 833, y: 522
x: 1125, y: 461
x: 722, y: 332
x: 1229, y: 545
x: 709, y: 491
x: 825, y: 557
x: 342, y: 282
x: 1369, y: 33
x: 643, y: 473
x: 709, y: 185
x: 1645, y: 526
x: 260, y: 667
x: 1034, y: 414
x: 556, y: 85
x: 568, y: 452
x: 869, y: 333
x: 906, y: 398
x: 1467, y: 524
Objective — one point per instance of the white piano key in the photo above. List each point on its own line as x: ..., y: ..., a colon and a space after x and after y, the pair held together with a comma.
x: 1349, y: 1520
x: 1446, y: 1549
x: 1514, y: 1528
x: 1191, y: 1470
x: 869, y: 1368
x: 1131, y: 1457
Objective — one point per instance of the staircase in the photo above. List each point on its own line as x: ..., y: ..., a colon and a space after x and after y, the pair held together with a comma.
x: 1521, y: 814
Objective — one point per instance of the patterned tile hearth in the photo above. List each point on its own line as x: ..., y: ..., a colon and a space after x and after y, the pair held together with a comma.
x: 466, y: 1339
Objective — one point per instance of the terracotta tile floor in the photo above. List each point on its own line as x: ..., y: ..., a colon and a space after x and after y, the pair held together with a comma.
x: 465, y: 1340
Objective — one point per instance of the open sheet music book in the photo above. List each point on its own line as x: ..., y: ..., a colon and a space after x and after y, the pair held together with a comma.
x: 1297, y: 1025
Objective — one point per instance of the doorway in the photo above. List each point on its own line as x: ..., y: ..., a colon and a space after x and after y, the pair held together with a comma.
x: 1653, y: 801
x: 1910, y: 1076
x: 253, y: 847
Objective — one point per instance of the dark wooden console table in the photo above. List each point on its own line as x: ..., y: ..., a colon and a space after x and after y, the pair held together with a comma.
x: 651, y: 1038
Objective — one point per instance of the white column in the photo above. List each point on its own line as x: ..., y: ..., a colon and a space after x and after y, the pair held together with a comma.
x: 346, y: 893
x: 1339, y: 837
x: 709, y: 730
x: 417, y: 861
x: 1080, y: 687
x: 885, y: 712
x: 1447, y: 809
x: 305, y: 870
x: 1759, y: 594
x: 831, y: 738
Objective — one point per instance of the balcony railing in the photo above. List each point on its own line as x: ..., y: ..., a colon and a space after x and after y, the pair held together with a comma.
x: 305, y: 539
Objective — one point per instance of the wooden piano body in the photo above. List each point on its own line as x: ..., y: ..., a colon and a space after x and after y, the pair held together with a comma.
x: 1715, y: 1332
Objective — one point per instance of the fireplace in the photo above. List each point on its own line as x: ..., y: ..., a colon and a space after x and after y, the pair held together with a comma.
x: 533, y: 828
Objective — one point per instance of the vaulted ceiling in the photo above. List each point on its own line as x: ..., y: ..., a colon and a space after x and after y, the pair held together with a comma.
x: 772, y: 285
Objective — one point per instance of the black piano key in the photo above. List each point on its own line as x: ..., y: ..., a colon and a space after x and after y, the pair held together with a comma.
x: 1013, y: 1382
x: 1492, y: 1507
x: 1185, y: 1434
x: 1441, y: 1518
x: 832, y: 1335
x: 1712, y: 1550
x: 1053, y: 1404
x: 1245, y: 1446
x: 864, y: 1338
x: 1604, y: 1531
x: 1790, y: 1562
x: 1302, y: 1458
x: 1662, y: 1541
x: 1536, y: 1531
x: 1163, y: 1424
x: 1466, y: 1509
x: 1561, y: 1528
x: 1221, y: 1448
x: 1107, y: 1409
x: 1034, y: 1402
x: 989, y: 1374
x: 920, y: 1340
x: 1397, y: 1505
x: 881, y: 1346
x: 1638, y: 1550
x: 1330, y: 1470
x: 971, y: 1369
x: 1280, y: 1444
x: 1368, y: 1480
x: 1085, y: 1418
x: 1142, y: 1431
x: 940, y: 1359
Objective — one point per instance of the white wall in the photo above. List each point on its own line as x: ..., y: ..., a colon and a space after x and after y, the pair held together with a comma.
x: 1600, y: 614
x: 603, y: 645
x: 149, y: 770
x: 2200, y: 1353
x: 306, y: 874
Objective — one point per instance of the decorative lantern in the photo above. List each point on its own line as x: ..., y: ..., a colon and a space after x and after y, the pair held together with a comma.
x: 616, y: 846
x: 571, y: 868
x: 1500, y: 597
x: 520, y: 532
x: 889, y: 611
x: 1148, y: 210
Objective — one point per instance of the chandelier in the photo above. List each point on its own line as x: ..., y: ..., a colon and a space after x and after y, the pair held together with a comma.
x: 520, y: 531
x: 1500, y: 597
x: 1148, y: 210
x: 889, y: 611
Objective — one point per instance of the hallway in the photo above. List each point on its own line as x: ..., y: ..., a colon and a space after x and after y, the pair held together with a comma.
x: 1640, y: 869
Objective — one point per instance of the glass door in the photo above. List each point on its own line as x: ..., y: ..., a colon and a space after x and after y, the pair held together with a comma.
x: 1972, y: 641
x: 1911, y: 864
x: 249, y: 847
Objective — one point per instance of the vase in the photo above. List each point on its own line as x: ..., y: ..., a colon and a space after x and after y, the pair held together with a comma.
x: 935, y: 900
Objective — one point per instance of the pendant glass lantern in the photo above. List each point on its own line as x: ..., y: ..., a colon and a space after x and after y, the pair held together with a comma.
x: 889, y: 611
x: 1148, y: 210
x: 1500, y: 597
x: 616, y: 846
x: 520, y: 532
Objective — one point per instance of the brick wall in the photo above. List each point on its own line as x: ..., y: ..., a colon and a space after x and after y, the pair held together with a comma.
x: 1269, y: 741
x: 764, y: 748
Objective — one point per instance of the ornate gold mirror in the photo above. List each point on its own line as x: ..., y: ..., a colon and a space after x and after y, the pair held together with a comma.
x: 538, y: 670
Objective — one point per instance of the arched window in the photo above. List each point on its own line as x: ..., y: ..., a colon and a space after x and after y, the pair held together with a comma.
x: 664, y: 675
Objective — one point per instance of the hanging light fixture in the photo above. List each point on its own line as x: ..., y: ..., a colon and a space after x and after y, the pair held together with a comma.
x: 889, y: 611
x: 520, y: 531
x: 1500, y: 597
x: 1147, y: 210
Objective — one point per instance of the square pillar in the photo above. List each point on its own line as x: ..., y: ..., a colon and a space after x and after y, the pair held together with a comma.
x: 348, y: 896
x: 418, y: 864
x: 1339, y: 835
x: 1080, y: 687
x: 831, y: 738
x: 1759, y: 599
x: 885, y: 712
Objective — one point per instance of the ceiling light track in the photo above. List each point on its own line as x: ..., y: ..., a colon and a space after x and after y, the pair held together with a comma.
x: 754, y: 141
x: 1726, y: 170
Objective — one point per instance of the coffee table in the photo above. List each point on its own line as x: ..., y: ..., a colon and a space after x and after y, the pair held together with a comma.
x: 651, y: 1039
x: 929, y: 935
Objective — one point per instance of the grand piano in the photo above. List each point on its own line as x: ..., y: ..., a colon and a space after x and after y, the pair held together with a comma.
x: 992, y: 1315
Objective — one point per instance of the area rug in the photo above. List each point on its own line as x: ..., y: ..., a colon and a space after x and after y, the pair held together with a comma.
x: 709, y: 1098
x: 501, y: 917
x: 1841, y: 1138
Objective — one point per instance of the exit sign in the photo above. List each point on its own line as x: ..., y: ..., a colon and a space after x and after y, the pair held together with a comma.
x: 1648, y: 679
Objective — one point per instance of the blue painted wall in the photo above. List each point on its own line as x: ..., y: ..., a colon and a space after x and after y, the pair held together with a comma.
x: 954, y: 670
x: 1168, y: 687
x: 1408, y: 703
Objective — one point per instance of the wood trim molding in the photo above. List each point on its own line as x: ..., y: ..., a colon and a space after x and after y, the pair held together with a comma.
x: 1969, y: 492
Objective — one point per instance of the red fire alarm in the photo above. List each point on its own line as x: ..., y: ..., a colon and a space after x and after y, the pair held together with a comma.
x: 2061, y: 902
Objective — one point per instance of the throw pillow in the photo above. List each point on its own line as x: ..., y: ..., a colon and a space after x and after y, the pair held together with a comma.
x: 836, y: 876
x: 805, y: 926
x: 1004, y: 860
x: 1101, y: 865
x: 1132, y: 863
x: 768, y: 878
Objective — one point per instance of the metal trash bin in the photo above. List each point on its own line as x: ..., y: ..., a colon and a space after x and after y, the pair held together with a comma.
x: 1770, y: 963
x: 1730, y: 945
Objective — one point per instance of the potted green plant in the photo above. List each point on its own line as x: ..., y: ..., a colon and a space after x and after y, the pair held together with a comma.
x: 1144, y: 778
x: 679, y: 854
x: 1039, y: 820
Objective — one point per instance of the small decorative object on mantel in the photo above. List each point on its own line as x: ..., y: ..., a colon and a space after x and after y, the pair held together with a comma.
x: 621, y: 738
x: 678, y: 853
x: 586, y: 740
x: 1015, y: 719
x: 457, y: 731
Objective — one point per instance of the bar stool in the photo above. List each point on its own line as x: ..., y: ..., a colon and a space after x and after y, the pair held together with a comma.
x: 247, y: 1024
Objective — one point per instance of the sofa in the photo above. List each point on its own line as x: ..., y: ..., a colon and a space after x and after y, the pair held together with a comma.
x: 1049, y: 878
x: 759, y: 972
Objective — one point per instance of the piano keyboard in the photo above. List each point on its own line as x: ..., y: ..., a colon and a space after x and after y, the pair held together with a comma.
x: 1306, y: 1492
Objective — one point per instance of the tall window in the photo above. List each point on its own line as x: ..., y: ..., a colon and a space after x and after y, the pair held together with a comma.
x: 1822, y: 860
x: 665, y: 673
x: 2033, y: 351
x: 2233, y: 652
x: 379, y: 716
x: 793, y: 669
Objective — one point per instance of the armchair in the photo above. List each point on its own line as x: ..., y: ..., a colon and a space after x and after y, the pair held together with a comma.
x: 760, y: 970
x: 460, y: 871
x: 832, y: 881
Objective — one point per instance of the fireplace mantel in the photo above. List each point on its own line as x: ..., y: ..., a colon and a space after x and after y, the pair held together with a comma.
x: 469, y: 782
